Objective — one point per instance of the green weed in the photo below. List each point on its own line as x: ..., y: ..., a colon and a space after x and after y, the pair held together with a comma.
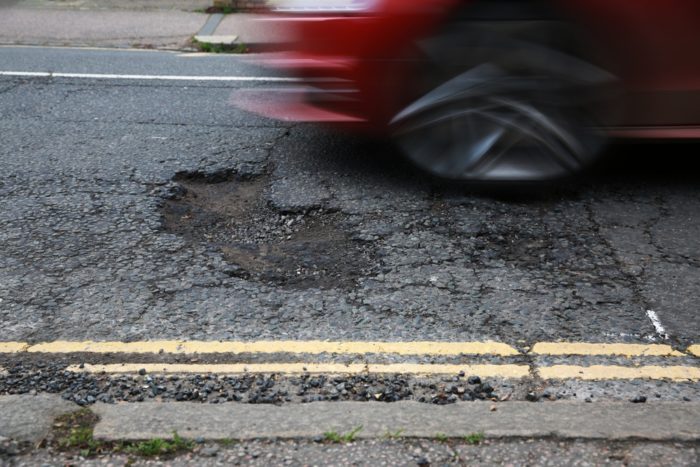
x: 158, y: 447
x: 335, y: 437
x: 74, y: 431
x: 393, y: 434
x: 208, y: 47
x: 225, y: 10
x: 474, y: 438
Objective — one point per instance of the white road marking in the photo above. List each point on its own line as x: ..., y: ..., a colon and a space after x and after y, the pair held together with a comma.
x: 103, y: 49
x: 654, y: 318
x: 50, y: 74
x: 198, y: 54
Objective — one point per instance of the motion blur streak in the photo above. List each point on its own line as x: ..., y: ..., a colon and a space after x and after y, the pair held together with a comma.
x: 499, y: 90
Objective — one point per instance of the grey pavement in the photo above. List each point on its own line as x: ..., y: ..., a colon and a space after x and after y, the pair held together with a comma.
x: 102, y: 5
x: 30, y: 418
x: 159, y: 24
x: 249, y: 31
x: 514, y: 433
x: 561, y: 420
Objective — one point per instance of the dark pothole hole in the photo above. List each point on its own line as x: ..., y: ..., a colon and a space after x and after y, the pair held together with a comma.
x: 312, y: 249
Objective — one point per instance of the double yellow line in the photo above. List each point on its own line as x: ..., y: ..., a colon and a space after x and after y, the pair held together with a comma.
x: 419, y: 348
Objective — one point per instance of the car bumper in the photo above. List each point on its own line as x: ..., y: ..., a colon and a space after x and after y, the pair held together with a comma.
x: 343, y: 65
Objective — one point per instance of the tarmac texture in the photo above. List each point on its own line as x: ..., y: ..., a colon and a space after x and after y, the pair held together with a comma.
x: 159, y: 245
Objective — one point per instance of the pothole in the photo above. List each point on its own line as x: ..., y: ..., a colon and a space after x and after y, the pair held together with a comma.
x: 301, y: 250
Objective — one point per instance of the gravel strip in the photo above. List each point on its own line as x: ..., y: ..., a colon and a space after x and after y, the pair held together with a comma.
x: 85, y: 389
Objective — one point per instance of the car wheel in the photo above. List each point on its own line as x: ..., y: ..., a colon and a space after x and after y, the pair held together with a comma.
x: 508, y: 97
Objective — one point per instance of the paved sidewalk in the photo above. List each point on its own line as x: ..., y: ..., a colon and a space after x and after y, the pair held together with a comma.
x: 130, y: 5
x: 248, y: 31
x: 161, y: 24
x: 671, y: 421
x: 29, y: 418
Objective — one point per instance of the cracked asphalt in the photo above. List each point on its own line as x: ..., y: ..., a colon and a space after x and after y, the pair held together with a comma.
x: 145, y: 210
x: 99, y: 189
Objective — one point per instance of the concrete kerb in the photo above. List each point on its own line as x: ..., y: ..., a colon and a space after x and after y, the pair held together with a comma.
x: 30, y: 418
x: 564, y: 420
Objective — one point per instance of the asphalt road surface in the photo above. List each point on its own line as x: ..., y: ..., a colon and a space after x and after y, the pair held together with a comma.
x: 139, y: 209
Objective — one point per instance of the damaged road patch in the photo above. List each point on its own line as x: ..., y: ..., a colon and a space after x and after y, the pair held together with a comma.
x: 310, y: 249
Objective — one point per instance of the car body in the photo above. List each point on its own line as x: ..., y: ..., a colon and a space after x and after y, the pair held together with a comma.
x: 373, y: 65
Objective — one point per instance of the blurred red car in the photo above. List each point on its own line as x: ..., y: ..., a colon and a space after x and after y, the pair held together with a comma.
x: 490, y: 90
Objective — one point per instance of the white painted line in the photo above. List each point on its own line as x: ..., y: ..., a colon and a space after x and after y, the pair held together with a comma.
x: 73, y: 47
x: 660, y: 330
x: 50, y: 74
x: 198, y: 54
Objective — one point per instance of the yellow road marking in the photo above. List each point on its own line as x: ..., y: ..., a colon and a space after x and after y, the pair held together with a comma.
x: 13, y: 347
x: 428, y: 348
x: 347, y: 348
x: 694, y: 350
x: 585, y: 348
x: 504, y: 371
x: 605, y: 372
x: 266, y: 347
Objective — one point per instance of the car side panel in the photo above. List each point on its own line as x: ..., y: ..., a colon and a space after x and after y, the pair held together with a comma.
x: 654, y: 47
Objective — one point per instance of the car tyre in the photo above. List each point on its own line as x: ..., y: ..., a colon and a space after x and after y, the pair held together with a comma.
x: 507, y: 98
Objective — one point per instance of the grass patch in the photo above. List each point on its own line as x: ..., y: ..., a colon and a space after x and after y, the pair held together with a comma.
x: 442, y: 437
x: 159, y: 447
x: 224, y: 10
x: 335, y: 437
x: 393, y: 434
x: 208, y: 47
x: 74, y: 432
x: 474, y: 438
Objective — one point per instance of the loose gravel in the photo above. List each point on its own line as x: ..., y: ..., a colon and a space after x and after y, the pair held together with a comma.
x: 308, y: 249
x: 86, y: 389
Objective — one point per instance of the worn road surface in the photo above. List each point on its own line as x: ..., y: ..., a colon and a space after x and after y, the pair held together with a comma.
x: 155, y: 210
x: 151, y: 209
